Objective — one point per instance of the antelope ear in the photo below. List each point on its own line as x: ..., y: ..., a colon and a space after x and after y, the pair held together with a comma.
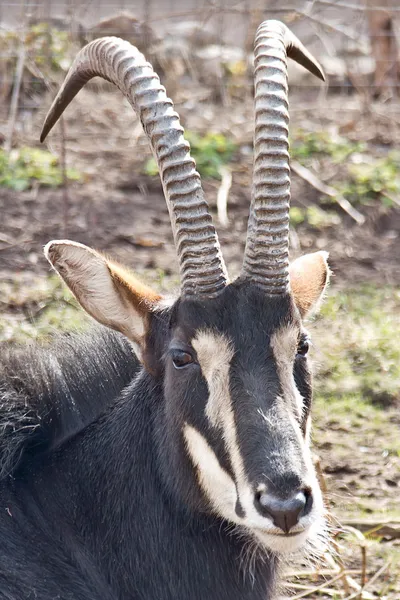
x: 106, y: 290
x: 309, y: 277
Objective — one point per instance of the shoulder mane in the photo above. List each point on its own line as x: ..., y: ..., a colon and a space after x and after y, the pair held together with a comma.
x: 50, y: 392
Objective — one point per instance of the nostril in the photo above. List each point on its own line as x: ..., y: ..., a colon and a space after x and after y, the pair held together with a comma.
x: 309, y: 502
x: 284, y: 513
x: 260, y: 498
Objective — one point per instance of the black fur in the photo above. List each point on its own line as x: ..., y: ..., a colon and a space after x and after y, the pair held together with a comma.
x: 107, y: 506
x: 50, y: 392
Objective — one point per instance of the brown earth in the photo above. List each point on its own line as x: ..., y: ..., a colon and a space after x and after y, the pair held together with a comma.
x: 120, y: 210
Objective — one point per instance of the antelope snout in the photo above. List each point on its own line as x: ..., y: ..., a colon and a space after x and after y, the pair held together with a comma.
x: 287, y: 512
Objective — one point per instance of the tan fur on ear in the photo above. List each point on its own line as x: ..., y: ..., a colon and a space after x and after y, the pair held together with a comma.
x: 309, y: 276
x: 110, y: 293
x: 144, y: 296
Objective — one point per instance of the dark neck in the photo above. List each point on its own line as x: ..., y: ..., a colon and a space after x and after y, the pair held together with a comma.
x: 134, y: 523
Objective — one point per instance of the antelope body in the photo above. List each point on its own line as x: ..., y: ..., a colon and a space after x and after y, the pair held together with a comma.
x: 198, y: 477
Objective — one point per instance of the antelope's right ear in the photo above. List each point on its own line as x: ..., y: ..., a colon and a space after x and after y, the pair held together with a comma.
x: 106, y: 290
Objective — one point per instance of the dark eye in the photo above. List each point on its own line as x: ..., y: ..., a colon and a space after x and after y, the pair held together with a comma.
x: 303, y: 346
x: 181, y: 359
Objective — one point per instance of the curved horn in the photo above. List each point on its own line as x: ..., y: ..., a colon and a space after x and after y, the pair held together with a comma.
x: 266, y: 259
x: 201, y: 264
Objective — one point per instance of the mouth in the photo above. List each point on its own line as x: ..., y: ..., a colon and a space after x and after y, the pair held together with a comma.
x: 280, y: 542
x: 283, y: 534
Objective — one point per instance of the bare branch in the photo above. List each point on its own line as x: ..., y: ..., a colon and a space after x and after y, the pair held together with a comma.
x: 15, y: 97
x: 319, y: 185
x: 357, y: 7
x: 222, y: 198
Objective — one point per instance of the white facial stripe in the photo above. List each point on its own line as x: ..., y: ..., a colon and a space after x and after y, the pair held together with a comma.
x: 284, y: 345
x: 216, y: 483
x: 215, y: 353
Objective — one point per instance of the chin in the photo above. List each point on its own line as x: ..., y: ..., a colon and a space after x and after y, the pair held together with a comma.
x: 312, y: 537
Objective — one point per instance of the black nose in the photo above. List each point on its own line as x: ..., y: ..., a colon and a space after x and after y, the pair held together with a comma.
x: 284, y: 513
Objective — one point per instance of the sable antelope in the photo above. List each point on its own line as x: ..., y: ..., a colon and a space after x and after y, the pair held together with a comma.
x: 204, y: 457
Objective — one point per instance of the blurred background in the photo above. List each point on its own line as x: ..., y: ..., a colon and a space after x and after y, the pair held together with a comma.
x: 94, y: 181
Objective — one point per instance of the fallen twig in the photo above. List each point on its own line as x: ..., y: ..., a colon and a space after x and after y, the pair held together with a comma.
x: 328, y: 591
x: 342, y: 29
x: 374, y: 578
x: 5, y: 239
x: 386, y: 527
x: 313, y: 590
x: 222, y: 197
x: 319, y: 185
x: 15, y: 243
x: 365, y: 524
x: 363, y: 547
x: 354, y: 6
x: 141, y: 242
x: 320, y: 572
x: 380, y: 572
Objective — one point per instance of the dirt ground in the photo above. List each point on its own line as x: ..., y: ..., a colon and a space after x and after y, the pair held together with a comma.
x: 119, y: 210
x: 133, y: 225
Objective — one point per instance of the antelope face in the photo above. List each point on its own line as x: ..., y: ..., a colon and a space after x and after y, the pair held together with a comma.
x: 237, y: 400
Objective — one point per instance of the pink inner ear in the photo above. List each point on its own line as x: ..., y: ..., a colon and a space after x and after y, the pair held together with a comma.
x: 309, y: 276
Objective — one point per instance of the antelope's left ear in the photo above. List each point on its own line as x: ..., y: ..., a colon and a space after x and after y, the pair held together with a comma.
x: 309, y: 277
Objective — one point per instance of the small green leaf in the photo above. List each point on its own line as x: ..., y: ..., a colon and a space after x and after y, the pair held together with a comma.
x: 23, y: 166
x: 211, y: 152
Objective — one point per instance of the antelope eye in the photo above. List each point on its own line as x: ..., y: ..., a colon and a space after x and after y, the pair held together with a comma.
x: 303, y: 346
x: 181, y: 359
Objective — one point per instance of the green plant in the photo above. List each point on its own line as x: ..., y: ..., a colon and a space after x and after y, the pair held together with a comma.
x: 22, y: 166
x: 369, y: 180
x: 314, y: 216
x: 49, y: 47
x: 48, y: 51
x: 211, y: 152
x: 305, y: 145
x: 362, y: 178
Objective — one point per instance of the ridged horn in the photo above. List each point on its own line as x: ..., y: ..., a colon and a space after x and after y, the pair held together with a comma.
x: 266, y: 259
x: 202, y: 268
